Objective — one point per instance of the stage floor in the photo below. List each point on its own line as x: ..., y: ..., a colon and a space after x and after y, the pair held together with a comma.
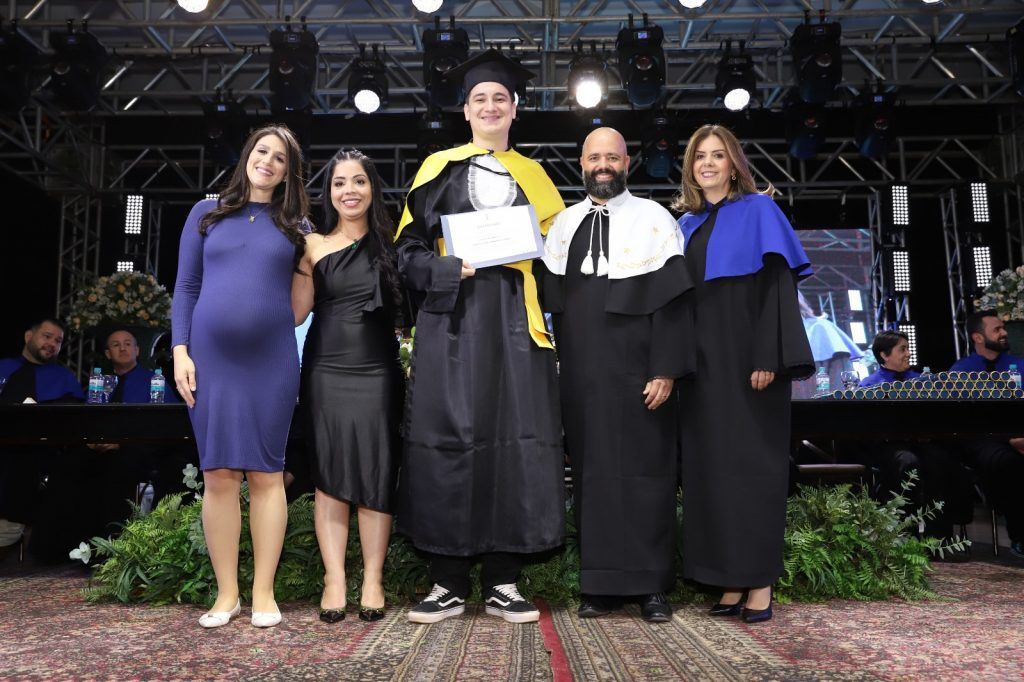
x: 973, y: 632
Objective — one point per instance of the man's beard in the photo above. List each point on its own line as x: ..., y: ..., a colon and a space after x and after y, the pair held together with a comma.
x: 37, y: 353
x: 609, y: 188
x: 998, y: 345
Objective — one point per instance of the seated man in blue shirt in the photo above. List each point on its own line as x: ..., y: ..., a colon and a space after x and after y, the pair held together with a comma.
x: 35, y: 375
x: 892, y: 350
x: 1000, y: 463
x: 122, y: 349
x: 941, y: 475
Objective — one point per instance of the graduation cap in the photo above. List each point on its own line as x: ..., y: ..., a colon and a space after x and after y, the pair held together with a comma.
x: 490, y: 67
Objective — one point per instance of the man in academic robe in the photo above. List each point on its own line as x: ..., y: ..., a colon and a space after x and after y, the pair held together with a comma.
x: 482, y: 476
x: 999, y: 462
x: 133, y: 380
x: 616, y: 287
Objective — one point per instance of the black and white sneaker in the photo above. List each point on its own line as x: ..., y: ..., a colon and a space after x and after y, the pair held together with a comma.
x: 505, y: 601
x: 441, y: 603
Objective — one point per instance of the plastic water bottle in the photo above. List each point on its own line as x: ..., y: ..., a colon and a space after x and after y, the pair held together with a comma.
x: 95, y: 395
x: 821, y: 382
x: 156, y: 386
x: 1015, y: 375
x: 927, y: 379
x: 145, y: 496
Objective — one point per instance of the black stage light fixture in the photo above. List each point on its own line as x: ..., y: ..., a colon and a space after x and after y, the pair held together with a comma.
x: 897, y: 268
x: 293, y: 67
x: 588, y: 77
x: 367, y: 82
x: 1015, y: 37
x: 660, y: 145
x: 443, y: 50
x: 817, y: 60
x: 735, y: 82
x: 17, y: 58
x: 874, y: 129
x: 805, y: 128
x: 641, y: 62
x: 435, y: 134
x: 76, y: 69
x: 224, y: 119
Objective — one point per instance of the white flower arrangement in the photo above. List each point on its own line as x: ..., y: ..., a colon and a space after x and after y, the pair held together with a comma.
x: 1005, y: 295
x: 83, y: 552
x: 131, y: 298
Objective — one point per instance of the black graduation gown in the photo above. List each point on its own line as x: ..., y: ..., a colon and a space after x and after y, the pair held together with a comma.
x: 483, y: 469
x: 735, y: 441
x: 612, y: 337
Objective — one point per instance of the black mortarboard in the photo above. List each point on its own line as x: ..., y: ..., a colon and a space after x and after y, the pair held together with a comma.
x: 490, y: 67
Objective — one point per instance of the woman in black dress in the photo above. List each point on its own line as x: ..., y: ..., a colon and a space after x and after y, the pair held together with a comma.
x: 352, y: 385
x: 744, y: 260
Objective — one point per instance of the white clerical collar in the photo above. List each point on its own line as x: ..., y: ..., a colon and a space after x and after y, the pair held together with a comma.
x: 615, y: 202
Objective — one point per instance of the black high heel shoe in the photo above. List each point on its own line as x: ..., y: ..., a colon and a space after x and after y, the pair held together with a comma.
x: 370, y: 614
x: 720, y: 609
x: 332, y: 615
x: 759, y: 615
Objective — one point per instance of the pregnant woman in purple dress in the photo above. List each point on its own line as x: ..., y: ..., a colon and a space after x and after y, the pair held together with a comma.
x: 352, y: 385
x: 235, y: 360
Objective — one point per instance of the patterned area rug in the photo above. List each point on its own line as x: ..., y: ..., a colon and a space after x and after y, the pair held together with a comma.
x: 974, y: 632
x: 48, y: 632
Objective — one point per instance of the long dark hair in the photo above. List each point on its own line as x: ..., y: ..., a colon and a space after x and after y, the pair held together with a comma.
x: 289, y: 205
x: 381, y: 236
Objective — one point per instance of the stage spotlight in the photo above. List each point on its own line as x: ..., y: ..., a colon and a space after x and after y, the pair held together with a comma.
x: 874, y: 129
x: 588, y: 77
x: 660, y: 146
x: 212, y: 195
x: 898, y: 265
x: 225, y: 129
x: 805, y: 128
x: 78, y: 61
x: 427, y: 6
x: 1015, y: 37
x: 900, y: 197
x: 817, y: 60
x: 856, y: 301
x: 133, y: 214
x: 194, y: 6
x: 735, y: 82
x: 434, y: 135
x: 17, y: 57
x: 126, y: 266
x: 367, y: 84
x: 692, y: 4
x: 443, y: 50
x: 982, y: 259
x: 641, y: 62
x: 979, y: 202
x: 911, y: 331
x: 859, y: 333
x: 293, y: 67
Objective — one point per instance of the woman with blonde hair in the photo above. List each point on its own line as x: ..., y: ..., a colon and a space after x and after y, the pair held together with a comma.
x: 744, y: 260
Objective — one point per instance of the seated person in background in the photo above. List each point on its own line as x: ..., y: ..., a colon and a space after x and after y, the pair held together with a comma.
x: 34, y: 374
x: 831, y: 347
x: 1000, y: 463
x: 140, y: 464
x: 892, y: 350
x: 941, y: 476
x: 122, y: 349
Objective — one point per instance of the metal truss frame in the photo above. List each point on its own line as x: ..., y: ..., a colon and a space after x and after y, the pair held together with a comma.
x: 955, y: 270
x: 166, y: 60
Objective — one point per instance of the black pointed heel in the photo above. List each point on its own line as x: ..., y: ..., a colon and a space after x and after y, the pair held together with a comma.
x: 720, y: 609
x: 759, y: 615
x: 332, y: 615
x: 370, y: 614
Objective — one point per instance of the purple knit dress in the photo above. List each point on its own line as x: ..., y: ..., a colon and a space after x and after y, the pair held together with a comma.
x: 232, y: 308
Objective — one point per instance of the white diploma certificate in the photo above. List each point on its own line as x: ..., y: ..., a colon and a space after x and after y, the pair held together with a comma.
x: 494, y: 236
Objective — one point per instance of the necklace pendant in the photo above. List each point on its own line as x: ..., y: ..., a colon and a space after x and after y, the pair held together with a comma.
x: 252, y: 219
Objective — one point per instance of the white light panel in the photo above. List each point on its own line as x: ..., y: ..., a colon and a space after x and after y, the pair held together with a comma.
x: 859, y: 333
x: 133, y: 215
x: 982, y: 266
x: 856, y: 302
x: 979, y: 201
x: 901, y: 271
x: 911, y: 331
x: 900, y: 205
x: 213, y: 195
x: 125, y: 266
